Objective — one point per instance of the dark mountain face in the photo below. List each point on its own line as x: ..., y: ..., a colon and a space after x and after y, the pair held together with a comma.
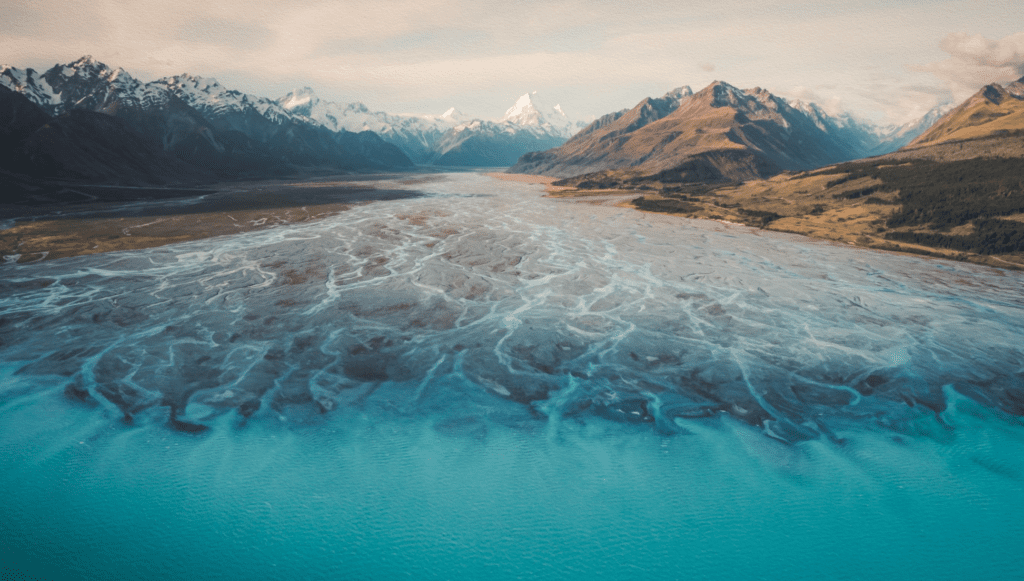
x: 40, y: 155
x: 19, y: 119
x: 95, y: 147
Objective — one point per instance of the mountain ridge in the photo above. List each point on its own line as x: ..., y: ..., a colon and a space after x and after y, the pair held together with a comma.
x: 991, y: 111
x: 683, y: 128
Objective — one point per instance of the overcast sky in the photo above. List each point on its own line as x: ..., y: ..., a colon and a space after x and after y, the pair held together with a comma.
x: 884, y: 63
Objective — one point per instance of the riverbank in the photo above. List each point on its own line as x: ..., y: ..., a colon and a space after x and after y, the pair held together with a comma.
x: 811, y: 205
x: 38, y: 233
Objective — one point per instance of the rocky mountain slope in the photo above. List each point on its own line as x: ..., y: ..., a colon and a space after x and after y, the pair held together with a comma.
x: 865, y: 138
x: 719, y: 133
x: 82, y: 145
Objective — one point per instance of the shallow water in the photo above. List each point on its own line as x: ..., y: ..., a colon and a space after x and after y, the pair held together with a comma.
x: 482, y: 383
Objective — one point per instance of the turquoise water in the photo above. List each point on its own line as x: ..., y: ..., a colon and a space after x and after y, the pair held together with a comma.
x: 482, y: 384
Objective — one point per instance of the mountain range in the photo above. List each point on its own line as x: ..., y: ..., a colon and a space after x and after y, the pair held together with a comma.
x: 233, y: 132
x: 415, y: 135
x: 449, y: 139
x: 720, y: 133
x: 529, y: 125
x: 224, y: 132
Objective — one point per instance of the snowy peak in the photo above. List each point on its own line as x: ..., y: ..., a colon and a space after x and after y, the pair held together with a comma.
x: 193, y: 83
x: 85, y: 83
x: 88, y: 70
x: 452, y: 115
x: 300, y: 101
x: 677, y: 95
x: 524, y: 112
x: 415, y: 134
x: 532, y: 113
x: 215, y: 101
x: 87, y: 67
x: 87, y: 61
x: 722, y: 94
x: 299, y: 97
x: 830, y: 123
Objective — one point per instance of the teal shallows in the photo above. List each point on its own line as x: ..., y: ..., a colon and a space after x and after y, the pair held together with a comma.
x: 360, y: 498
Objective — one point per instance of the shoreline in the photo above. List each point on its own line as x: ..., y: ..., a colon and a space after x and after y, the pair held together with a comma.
x: 63, y: 231
x: 60, y: 231
x: 612, y: 197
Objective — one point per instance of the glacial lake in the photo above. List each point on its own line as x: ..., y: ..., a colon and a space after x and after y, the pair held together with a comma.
x: 482, y: 383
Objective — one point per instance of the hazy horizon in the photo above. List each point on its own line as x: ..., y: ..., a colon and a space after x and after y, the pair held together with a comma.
x: 884, y: 64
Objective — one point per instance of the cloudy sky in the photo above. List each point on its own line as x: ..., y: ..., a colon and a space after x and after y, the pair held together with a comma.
x: 883, y: 61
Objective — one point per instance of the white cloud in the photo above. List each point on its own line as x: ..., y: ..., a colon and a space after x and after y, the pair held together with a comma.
x: 832, y: 105
x: 975, y: 61
x: 593, y: 55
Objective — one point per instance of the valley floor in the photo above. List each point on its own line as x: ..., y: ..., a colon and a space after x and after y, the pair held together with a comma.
x: 41, y: 232
x: 784, y: 204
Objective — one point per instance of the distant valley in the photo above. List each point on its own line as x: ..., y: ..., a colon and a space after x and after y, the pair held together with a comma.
x: 75, y: 131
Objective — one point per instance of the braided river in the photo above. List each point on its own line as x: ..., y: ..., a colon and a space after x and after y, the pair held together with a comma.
x: 478, y: 382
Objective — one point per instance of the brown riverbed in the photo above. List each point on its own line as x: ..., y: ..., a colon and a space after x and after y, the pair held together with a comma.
x: 133, y: 218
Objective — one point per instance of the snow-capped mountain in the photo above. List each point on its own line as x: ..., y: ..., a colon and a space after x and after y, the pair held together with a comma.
x: 416, y: 135
x: 449, y: 138
x: 202, y: 121
x: 31, y: 84
x: 528, y: 125
x: 83, y: 84
x: 214, y: 101
x: 861, y: 136
x: 482, y: 143
x: 189, y: 112
x: 534, y: 114
x: 866, y: 138
x: 899, y: 136
x: 77, y: 146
